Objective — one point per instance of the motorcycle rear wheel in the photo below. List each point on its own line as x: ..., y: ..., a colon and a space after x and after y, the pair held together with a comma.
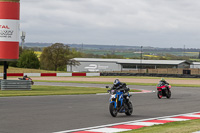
x: 112, y: 109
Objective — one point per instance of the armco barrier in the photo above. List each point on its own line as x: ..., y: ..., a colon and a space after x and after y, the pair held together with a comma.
x: 78, y: 74
x: 92, y: 74
x: 33, y: 74
x: 15, y: 74
x: 64, y: 74
x: 50, y: 74
x: 15, y: 85
x: 100, y: 74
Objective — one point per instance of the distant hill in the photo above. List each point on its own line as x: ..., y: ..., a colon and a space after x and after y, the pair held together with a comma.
x: 29, y: 44
x: 114, y: 47
x: 80, y: 46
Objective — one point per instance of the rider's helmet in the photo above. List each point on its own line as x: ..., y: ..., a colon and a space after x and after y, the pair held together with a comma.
x: 162, y: 79
x: 116, y: 82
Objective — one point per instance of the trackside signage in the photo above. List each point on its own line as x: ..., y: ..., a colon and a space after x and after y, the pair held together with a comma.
x: 9, y: 30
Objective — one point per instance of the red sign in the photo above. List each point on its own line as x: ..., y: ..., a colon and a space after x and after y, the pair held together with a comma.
x: 9, y: 30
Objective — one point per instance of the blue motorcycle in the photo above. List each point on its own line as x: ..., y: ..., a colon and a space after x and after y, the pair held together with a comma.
x: 120, y: 102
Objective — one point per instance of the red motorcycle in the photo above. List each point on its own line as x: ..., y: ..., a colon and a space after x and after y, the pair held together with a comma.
x: 163, y: 90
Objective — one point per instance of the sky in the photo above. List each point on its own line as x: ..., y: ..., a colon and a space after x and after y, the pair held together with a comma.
x: 155, y: 23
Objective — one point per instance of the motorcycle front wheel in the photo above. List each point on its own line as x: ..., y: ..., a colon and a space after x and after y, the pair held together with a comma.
x: 159, y: 94
x: 112, y: 109
x: 130, y: 109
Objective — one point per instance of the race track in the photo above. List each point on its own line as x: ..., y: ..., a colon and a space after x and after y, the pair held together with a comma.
x: 47, y: 114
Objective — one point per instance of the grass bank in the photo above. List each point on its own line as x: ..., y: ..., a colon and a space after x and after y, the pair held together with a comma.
x: 128, y: 83
x: 173, y: 127
x: 147, y: 77
x: 54, y: 90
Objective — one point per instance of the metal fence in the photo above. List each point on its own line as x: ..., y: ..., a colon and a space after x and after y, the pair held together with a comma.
x: 15, y: 85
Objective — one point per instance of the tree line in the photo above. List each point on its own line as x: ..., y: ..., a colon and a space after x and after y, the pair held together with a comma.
x: 55, y: 57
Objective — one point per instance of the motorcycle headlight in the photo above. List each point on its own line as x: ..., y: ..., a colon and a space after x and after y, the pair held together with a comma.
x: 112, y: 96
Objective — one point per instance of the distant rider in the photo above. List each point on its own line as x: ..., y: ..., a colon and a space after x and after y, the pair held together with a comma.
x: 25, y: 77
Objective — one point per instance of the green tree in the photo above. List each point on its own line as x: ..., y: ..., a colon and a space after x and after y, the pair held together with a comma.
x: 14, y: 63
x: 76, y: 53
x: 55, y: 57
x: 28, y: 59
x: 199, y: 56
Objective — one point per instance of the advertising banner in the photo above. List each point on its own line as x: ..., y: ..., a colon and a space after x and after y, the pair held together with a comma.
x: 9, y: 30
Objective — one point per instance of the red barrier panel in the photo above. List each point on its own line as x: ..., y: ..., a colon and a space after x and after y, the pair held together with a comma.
x: 48, y: 74
x: 78, y: 74
x: 15, y: 74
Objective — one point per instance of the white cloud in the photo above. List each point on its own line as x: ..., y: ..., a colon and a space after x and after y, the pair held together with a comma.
x: 172, y: 23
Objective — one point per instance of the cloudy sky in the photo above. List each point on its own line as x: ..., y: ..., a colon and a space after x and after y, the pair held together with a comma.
x: 157, y: 23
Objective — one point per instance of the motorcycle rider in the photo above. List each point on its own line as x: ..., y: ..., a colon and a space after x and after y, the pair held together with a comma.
x: 164, y: 82
x: 119, y: 85
x: 25, y: 77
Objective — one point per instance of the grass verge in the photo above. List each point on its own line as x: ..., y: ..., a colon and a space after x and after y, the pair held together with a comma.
x: 54, y: 90
x: 128, y: 83
x: 173, y: 127
x: 148, y: 77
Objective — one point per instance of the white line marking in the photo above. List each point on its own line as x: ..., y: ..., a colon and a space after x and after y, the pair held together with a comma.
x: 108, y: 130
x: 192, y: 115
x: 174, y: 119
x: 144, y: 123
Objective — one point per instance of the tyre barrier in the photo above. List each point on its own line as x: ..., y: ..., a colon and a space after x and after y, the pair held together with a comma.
x: 151, y: 75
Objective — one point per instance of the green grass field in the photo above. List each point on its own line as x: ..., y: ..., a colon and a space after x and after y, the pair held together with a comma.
x: 100, y: 82
x: 146, y: 54
x: 145, y: 77
x: 55, y: 90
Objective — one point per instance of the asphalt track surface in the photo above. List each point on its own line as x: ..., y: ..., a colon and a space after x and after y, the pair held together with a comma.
x: 47, y: 114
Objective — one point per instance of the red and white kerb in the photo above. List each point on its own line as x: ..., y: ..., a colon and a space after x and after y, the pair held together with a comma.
x: 9, y: 30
